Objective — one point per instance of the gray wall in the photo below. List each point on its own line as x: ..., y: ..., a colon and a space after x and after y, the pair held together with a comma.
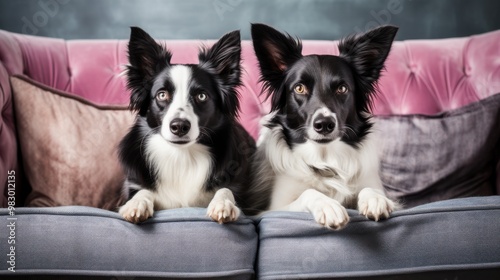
x: 209, y: 19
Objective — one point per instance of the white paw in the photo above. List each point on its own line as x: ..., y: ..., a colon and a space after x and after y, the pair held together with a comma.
x: 374, y: 205
x: 223, y: 210
x: 330, y: 213
x: 137, y: 210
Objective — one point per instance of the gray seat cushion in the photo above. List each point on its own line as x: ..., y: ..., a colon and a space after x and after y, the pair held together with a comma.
x: 89, y: 241
x: 452, y: 238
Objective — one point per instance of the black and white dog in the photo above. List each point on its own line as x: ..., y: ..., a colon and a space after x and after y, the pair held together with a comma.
x: 186, y: 148
x: 316, y: 152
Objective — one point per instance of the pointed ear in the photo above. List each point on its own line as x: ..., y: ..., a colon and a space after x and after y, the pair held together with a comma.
x: 276, y: 52
x: 146, y: 59
x: 223, y: 59
x: 367, y: 53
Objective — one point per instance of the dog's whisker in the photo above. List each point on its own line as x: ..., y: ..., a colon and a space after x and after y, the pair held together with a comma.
x: 347, y: 127
x: 206, y: 133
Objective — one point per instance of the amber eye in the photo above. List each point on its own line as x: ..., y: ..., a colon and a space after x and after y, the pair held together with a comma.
x: 201, y: 97
x: 342, y: 89
x: 162, y: 95
x: 300, y: 89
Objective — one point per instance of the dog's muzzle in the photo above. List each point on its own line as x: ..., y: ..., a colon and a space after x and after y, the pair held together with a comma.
x: 180, y: 127
x: 323, y: 127
x: 324, y: 124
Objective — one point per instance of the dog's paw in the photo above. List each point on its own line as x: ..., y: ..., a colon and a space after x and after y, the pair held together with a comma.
x: 374, y: 205
x: 330, y: 213
x: 223, y: 210
x: 137, y: 210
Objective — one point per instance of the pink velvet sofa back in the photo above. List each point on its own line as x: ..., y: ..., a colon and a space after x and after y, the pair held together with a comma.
x: 422, y: 76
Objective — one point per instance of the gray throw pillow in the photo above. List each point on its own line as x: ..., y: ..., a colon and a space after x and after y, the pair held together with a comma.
x: 450, y: 155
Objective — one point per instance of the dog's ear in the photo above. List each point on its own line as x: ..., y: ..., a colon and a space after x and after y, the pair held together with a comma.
x: 367, y: 53
x: 223, y: 59
x: 276, y: 52
x: 146, y: 59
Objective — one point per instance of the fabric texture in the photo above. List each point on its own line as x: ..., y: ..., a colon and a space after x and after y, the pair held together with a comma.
x: 69, y: 147
x: 450, y: 155
x: 448, y: 237
x: 177, y: 243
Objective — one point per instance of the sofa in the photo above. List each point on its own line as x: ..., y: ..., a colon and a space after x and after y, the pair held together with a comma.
x: 438, y: 111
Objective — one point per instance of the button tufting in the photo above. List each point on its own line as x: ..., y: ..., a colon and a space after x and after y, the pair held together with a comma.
x: 467, y: 71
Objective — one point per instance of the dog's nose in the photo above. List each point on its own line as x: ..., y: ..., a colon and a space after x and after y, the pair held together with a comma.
x: 324, y: 125
x: 180, y: 127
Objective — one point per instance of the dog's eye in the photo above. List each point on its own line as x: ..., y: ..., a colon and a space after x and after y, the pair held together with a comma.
x: 342, y: 89
x: 162, y: 95
x: 201, y: 97
x: 300, y: 89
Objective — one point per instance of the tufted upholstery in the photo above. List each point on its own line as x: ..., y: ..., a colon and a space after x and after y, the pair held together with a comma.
x: 422, y: 77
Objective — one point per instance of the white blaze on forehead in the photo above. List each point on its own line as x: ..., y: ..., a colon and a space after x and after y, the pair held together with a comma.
x: 180, y: 106
x: 180, y: 76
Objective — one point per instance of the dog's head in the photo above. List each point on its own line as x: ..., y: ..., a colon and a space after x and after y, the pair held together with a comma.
x: 322, y: 97
x: 184, y: 103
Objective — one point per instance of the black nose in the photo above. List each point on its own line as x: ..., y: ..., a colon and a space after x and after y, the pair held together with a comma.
x: 180, y: 127
x: 324, y: 125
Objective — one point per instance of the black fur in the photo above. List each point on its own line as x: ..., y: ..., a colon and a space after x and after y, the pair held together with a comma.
x: 147, y: 59
x: 217, y: 75
x: 358, y: 67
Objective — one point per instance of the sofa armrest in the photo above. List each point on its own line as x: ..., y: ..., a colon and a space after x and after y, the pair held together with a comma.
x: 42, y: 59
x: 10, y: 61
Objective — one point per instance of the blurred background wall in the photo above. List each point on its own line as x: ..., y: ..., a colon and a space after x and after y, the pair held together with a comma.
x: 209, y: 19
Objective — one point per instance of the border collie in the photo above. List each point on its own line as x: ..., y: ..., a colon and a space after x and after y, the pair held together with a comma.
x: 315, y: 151
x: 186, y: 148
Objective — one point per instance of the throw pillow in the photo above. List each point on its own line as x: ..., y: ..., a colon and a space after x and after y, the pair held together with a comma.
x: 450, y: 155
x: 68, y: 146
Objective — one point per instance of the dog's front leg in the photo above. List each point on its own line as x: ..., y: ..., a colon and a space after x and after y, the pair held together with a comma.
x: 325, y: 210
x: 222, y: 208
x: 373, y: 204
x: 139, y: 208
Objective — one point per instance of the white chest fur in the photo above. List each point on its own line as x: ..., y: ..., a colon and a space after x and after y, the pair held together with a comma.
x: 182, y: 173
x: 335, y: 169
